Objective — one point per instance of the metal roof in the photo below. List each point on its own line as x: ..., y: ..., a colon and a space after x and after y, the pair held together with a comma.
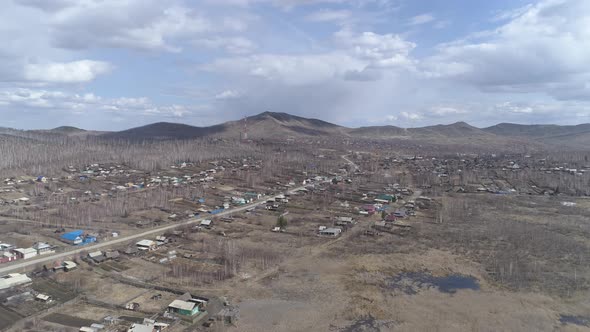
x: 182, y: 305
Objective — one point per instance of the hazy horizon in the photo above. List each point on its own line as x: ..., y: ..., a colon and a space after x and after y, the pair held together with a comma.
x: 352, y: 127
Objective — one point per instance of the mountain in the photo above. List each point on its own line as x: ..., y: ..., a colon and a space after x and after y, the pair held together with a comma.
x: 274, y: 125
x: 264, y: 125
x: 165, y: 130
x: 576, y: 136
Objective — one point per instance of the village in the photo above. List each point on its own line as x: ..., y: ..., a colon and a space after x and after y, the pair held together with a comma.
x: 204, y: 246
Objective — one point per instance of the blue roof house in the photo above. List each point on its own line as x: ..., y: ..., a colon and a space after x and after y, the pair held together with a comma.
x: 78, y: 238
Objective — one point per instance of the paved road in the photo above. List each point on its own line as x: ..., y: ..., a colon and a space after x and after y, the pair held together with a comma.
x: 22, y: 265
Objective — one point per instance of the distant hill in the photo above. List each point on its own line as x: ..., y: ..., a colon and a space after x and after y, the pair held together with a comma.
x: 264, y: 125
x: 577, y: 136
x: 67, y: 130
x: 274, y: 125
x: 165, y: 130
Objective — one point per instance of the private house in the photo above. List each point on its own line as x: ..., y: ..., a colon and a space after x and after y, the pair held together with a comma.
x: 113, y: 254
x: 400, y: 214
x: 97, y: 256
x: 148, y: 325
x: 331, y: 231
x: 385, y: 199
x: 390, y: 218
x: 69, y: 265
x: 7, y: 256
x: 6, y: 247
x: 238, y: 200
x: 206, y: 223
x: 13, y: 279
x: 161, y: 240
x: 348, y: 220
x: 77, y: 238
x: 146, y: 245
x: 187, y: 305
x: 43, y: 248
x: 25, y: 253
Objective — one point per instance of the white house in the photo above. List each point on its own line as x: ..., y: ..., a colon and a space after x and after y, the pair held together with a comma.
x: 25, y: 253
x: 13, y: 279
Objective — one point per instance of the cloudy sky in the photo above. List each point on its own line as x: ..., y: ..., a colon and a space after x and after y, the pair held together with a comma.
x: 115, y: 64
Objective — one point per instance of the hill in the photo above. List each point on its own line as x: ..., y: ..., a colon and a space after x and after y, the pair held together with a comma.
x: 576, y: 136
x: 264, y: 125
x: 165, y: 130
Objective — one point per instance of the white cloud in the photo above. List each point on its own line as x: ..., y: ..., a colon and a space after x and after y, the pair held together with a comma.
x: 411, y: 116
x: 421, y: 19
x: 328, y: 15
x: 228, y: 94
x: 135, y: 24
x: 514, y: 108
x: 83, y: 103
x: 381, y: 50
x: 288, y: 69
x: 66, y: 72
x: 543, y: 48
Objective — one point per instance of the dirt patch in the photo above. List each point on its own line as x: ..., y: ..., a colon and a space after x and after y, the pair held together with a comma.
x: 7, y: 317
x: 67, y: 320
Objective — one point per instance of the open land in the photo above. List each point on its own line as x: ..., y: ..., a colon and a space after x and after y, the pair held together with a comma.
x: 301, y: 234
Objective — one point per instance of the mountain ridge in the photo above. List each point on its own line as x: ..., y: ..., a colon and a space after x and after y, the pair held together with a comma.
x: 278, y: 125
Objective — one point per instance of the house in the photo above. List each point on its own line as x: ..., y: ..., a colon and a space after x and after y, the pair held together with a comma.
x: 25, y: 253
x: 383, y: 225
x: 6, y: 246
x: 131, y: 250
x: 43, y: 298
x: 146, y: 245
x: 43, y: 248
x: 370, y: 209
x: 148, y: 325
x: 384, y: 198
x: 390, y: 218
x: 7, y: 256
x: 13, y: 279
x: 77, y: 238
x: 97, y: 256
x: 187, y: 305
x: 112, y: 254
x: 400, y: 213
x: 206, y: 223
x: 238, y: 200
x: 161, y: 240
x: 184, y: 308
x: 331, y: 231
x: 69, y: 265
x: 348, y: 220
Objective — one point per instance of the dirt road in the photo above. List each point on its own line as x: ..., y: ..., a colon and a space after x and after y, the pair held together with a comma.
x: 23, y: 265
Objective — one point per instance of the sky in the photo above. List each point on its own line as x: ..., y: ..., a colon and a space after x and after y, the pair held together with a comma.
x: 117, y: 64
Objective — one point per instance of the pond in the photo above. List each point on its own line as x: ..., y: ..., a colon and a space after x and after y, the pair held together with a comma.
x: 576, y: 320
x: 412, y: 282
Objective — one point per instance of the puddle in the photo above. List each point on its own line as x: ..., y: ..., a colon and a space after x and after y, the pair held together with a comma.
x: 576, y: 320
x: 411, y: 282
x: 365, y: 324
